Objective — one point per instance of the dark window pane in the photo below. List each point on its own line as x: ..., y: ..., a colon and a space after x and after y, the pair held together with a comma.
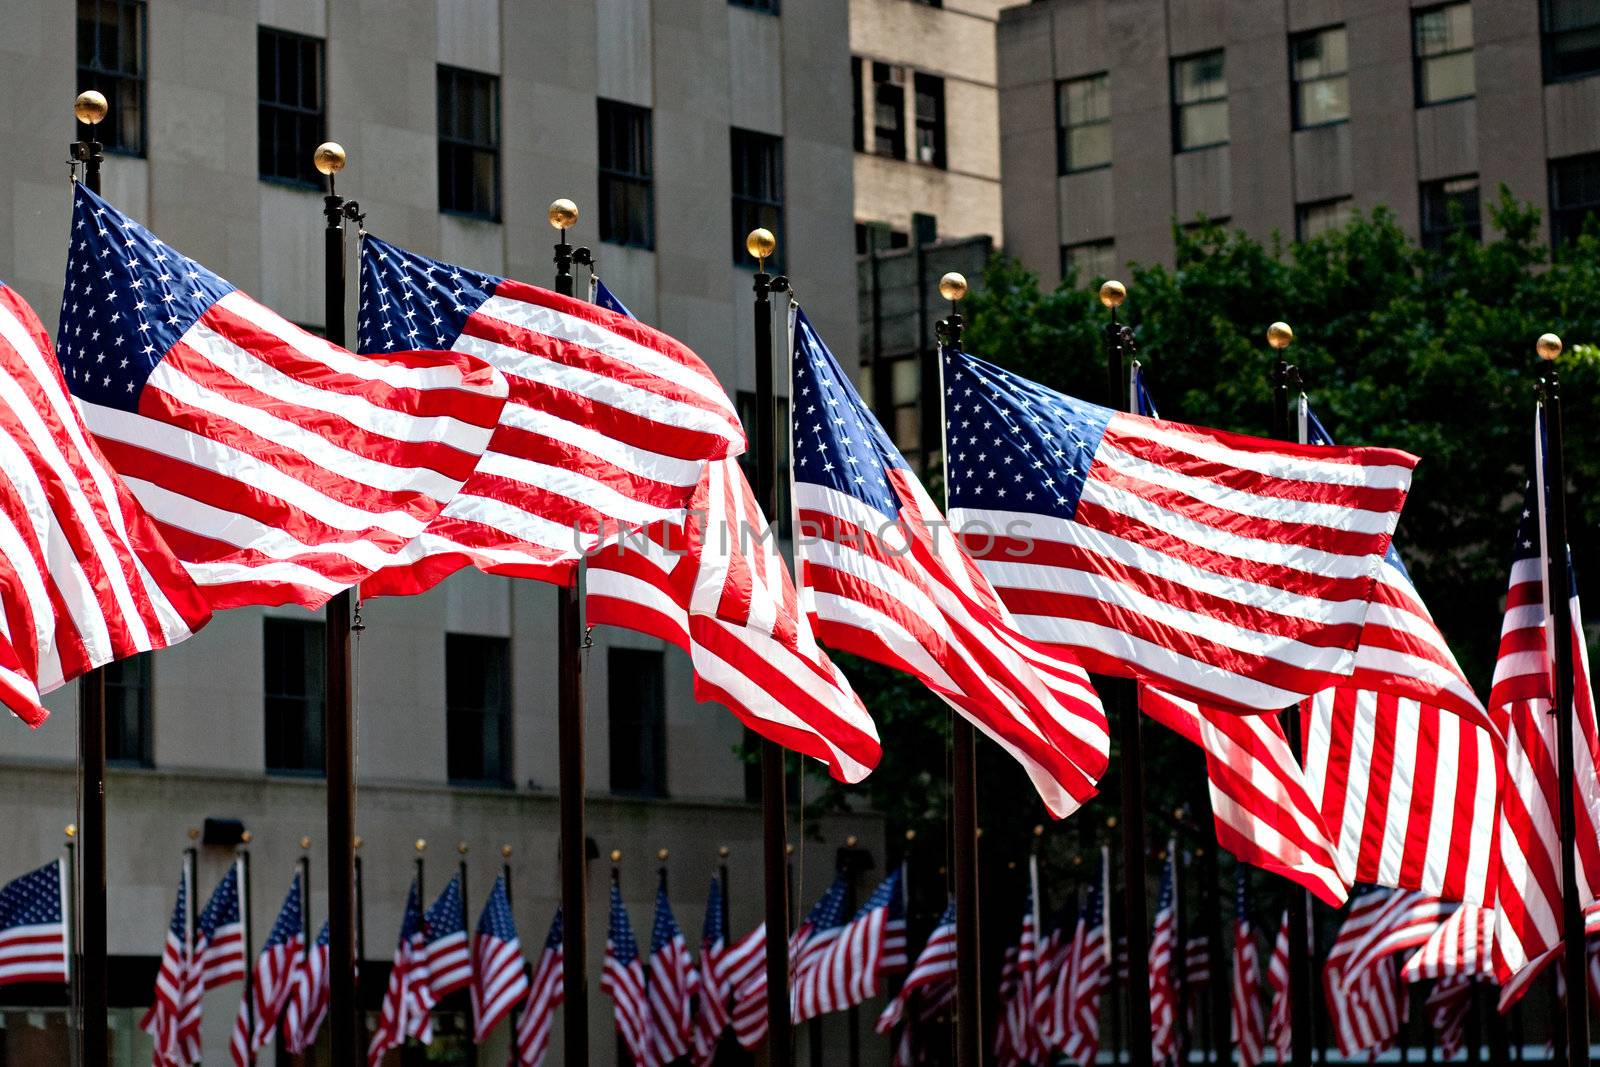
x: 478, y: 708
x: 291, y: 113
x: 1442, y: 44
x: 1574, y: 195
x: 1571, y: 38
x: 638, y: 722
x: 930, y: 119
x: 111, y: 58
x: 1314, y: 219
x: 1448, y: 207
x: 295, y: 694
x: 128, y: 737
x: 1083, y: 123
x: 888, y: 111
x: 469, y: 143
x: 1200, y: 101
x: 1319, y: 62
x: 858, y: 136
x: 769, y: 6
x: 757, y: 181
x: 627, y: 193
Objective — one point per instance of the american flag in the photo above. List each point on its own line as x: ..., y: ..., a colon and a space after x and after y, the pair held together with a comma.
x: 87, y: 578
x: 1518, y: 985
x: 165, y: 1014
x: 1528, y: 896
x: 545, y: 994
x: 1053, y: 950
x: 307, y: 1005
x: 408, y: 1000
x: 278, y: 467
x: 747, y: 962
x: 448, y: 956
x: 499, y: 973
x: 1215, y: 566
x: 711, y: 1015
x: 216, y: 958
x: 1447, y: 1006
x: 1458, y: 946
x: 1279, y: 1026
x: 883, y: 581
x: 1407, y: 921
x: 1163, y: 942
x: 1016, y: 1041
x: 930, y: 986
x: 670, y: 982
x: 1249, y: 1030
x: 282, y: 957
x: 1260, y: 800
x: 850, y: 966
x: 33, y: 927
x: 609, y: 424
x: 1087, y: 973
x: 622, y: 978
x: 1366, y: 1014
x: 1406, y: 727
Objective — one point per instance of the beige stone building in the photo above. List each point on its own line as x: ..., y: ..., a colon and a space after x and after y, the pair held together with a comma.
x: 676, y: 125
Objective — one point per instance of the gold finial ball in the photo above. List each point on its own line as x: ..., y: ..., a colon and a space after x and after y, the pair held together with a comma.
x: 505, y: 851
x: 953, y: 286
x: 246, y: 836
x: 661, y: 855
x: 1279, y: 335
x: 1548, y: 346
x: 616, y: 855
x: 329, y: 157
x: 1038, y: 829
x: 1077, y: 861
x: 461, y: 847
x: 788, y: 850
x: 72, y: 829
x: 760, y: 243
x: 911, y: 835
x: 355, y: 842
x: 1111, y: 822
x: 1011, y: 865
x: 978, y: 832
x: 90, y: 107
x: 305, y: 842
x: 194, y: 833
x: 421, y: 844
x: 1113, y: 293
x: 851, y: 841
x: 563, y: 214
x: 724, y: 852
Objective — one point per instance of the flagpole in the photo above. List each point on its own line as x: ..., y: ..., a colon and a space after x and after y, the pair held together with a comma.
x: 1553, y: 491
x: 305, y: 896
x: 243, y: 860
x: 361, y: 936
x: 466, y: 926
x: 527, y: 968
x: 90, y: 109
x: 69, y: 907
x: 964, y: 777
x: 761, y: 244
x: 338, y: 721
x: 1120, y: 697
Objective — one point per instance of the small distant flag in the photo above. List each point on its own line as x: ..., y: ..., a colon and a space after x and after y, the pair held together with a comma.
x: 308, y: 997
x: 282, y: 957
x: 1249, y: 1031
x: 849, y: 969
x: 165, y: 1014
x: 1087, y: 974
x: 545, y: 994
x: 33, y: 928
x: 1365, y: 1012
x: 448, y: 959
x: 622, y: 978
x: 499, y: 973
x: 409, y: 997
x: 930, y: 986
x: 670, y: 982
x: 216, y: 958
x: 711, y: 1016
x: 1163, y: 985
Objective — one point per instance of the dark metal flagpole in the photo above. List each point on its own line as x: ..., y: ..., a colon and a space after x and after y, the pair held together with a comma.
x: 338, y: 720
x: 90, y: 109
x: 774, y: 790
x: 1553, y: 492
x: 1121, y: 699
x: 1301, y: 977
x: 249, y: 940
x: 964, y: 779
x: 563, y: 215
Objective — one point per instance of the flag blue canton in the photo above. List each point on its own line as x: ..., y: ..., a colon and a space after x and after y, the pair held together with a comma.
x: 322, y: 938
x: 411, y: 923
x: 223, y: 907
x: 1145, y: 405
x: 410, y: 301
x: 1241, y: 908
x: 837, y: 442
x: 1168, y: 875
x: 888, y: 895
x: 289, y: 922
x: 180, y: 911
x: 496, y: 920
x: 553, y: 938
x: 949, y: 916
x: 1096, y: 905
x: 444, y: 915
x: 1014, y: 445
x: 32, y: 900
x: 828, y: 911
x: 623, y: 946
x: 128, y: 300
x: 665, y: 930
x: 604, y: 297
x: 714, y: 930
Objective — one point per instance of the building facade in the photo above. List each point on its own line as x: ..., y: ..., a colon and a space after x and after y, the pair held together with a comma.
x: 1120, y: 116
x: 676, y: 125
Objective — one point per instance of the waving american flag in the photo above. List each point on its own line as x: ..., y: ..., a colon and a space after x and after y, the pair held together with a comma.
x: 1249, y: 1030
x: 33, y: 926
x: 711, y: 1015
x: 609, y: 425
x: 408, y: 1000
x: 165, y: 1016
x: 622, y: 978
x: 670, y: 982
x: 1163, y: 976
x: 849, y: 967
x: 216, y: 958
x: 930, y: 986
x: 1365, y: 1012
x: 1219, y: 567
x: 278, y: 467
x: 1087, y: 972
x: 545, y: 994
x: 886, y: 581
x: 447, y: 957
x: 499, y: 973
x: 307, y: 1005
x: 747, y: 961
x: 282, y: 957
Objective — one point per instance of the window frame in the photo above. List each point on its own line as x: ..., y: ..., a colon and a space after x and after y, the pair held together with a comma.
x: 1561, y: 234
x: 938, y: 124
x: 1547, y: 50
x: 312, y: 738
x: 654, y: 767
x: 1109, y: 244
x: 503, y: 714
x: 457, y: 77
x: 97, y: 76
x: 309, y: 178
x: 1434, y: 238
x: 1179, y: 107
x: 1300, y: 211
x: 765, y: 7
x: 1065, y: 127
x: 144, y: 694
x: 1419, y: 61
x: 1297, y: 83
x: 883, y: 82
x: 755, y: 204
x: 641, y: 129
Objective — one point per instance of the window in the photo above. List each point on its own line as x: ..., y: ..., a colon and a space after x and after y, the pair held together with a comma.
x: 128, y: 711
x: 858, y: 135
x: 757, y: 161
x: 638, y: 722
x: 888, y: 111
x: 1449, y: 207
x: 627, y: 192
x: 1574, y: 196
x: 1199, y: 101
x: 1092, y: 260
x: 469, y: 143
x: 111, y: 58
x: 291, y: 115
x: 1441, y: 39
x: 929, y: 90
x: 1319, y: 63
x: 769, y: 6
x: 1318, y: 218
x: 1083, y: 123
x: 296, y: 695
x: 477, y: 682
x: 1571, y: 39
